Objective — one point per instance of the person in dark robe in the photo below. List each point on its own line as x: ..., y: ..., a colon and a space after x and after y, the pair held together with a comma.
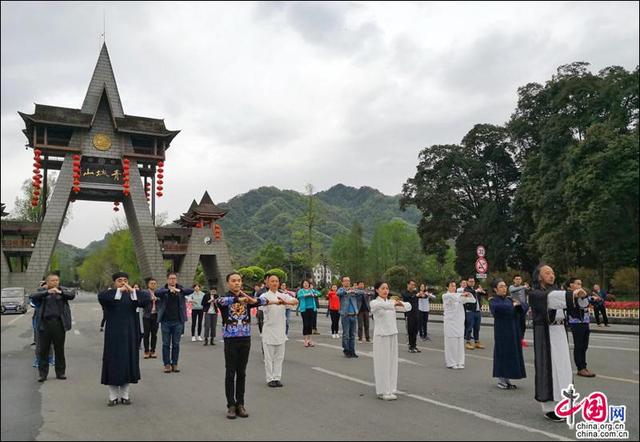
x: 120, y: 357
x: 508, y: 362
x: 551, y: 347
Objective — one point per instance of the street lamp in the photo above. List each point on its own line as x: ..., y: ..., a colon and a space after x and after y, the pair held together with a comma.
x: 324, y: 270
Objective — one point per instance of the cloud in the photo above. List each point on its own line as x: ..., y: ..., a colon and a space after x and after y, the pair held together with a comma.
x: 289, y: 93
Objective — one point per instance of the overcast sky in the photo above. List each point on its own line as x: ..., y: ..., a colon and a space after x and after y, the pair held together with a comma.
x: 284, y: 94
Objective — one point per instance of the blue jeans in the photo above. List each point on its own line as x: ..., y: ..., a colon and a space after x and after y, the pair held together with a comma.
x: 472, y: 323
x: 349, y: 326
x: 171, y: 334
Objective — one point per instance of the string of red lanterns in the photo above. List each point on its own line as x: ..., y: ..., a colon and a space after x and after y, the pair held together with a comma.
x: 115, y: 206
x: 160, y: 176
x: 147, y: 190
x: 76, y: 173
x: 126, y: 188
x: 37, y: 177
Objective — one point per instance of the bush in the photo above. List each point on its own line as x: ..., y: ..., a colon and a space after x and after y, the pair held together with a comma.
x: 589, y: 277
x: 251, y: 275
x: 397, y: 277
x: 281, y: 274
x: 625, y: 281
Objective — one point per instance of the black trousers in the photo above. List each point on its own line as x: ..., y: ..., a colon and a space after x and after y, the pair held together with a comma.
x: 150, y: 326
x: 412, y: 330
x: 335, y: 321
x: 307, y: 322
x: 236, y: 356
x: 52, y: 331
x: 363, y: 323
x: 580, y: 344
x: 314, y: 320
x: 422, y: 327
x: 260, y: 319
x: 597, y: 309
x: 196, y: 314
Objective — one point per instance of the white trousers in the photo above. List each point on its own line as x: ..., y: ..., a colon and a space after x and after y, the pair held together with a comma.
x: 273, y: 358
x: 454, y: 351
x: 385, y: 363
x: 118, y: 391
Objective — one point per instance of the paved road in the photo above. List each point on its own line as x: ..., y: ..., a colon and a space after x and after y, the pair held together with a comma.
x: 325, y: 396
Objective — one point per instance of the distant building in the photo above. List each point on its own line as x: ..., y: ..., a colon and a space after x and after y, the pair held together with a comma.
x: 319, y: 271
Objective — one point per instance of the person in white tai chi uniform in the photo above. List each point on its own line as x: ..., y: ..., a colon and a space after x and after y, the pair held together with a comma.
x: 552, y: 357
x: 274, y: 334
x: 454, y: 325
x: 385, y: 341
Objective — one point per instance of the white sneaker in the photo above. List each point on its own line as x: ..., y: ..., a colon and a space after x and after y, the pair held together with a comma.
x: 393, y: 397
x: 389, y: 397
x: 200, y: 338
x: 193, y: 339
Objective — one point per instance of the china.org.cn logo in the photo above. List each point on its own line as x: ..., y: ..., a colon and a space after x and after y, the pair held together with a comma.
x: 600, y: 420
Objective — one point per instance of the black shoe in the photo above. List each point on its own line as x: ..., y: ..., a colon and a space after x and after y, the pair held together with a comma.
x: 124, y: 401
x: 61, y: 376
x: 206, y: 342
x: 279, y: 384
x: 272, y: 384
x: 353, y: 355
x: 417, y: 350
x: 231, y: 412
x: 553, y: 417
x: 412, y: 350
x: 112, y: 403
x: 42, y: 378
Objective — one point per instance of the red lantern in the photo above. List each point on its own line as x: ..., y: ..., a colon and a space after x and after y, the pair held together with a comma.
x: 36, y: 165
x: 160, y: 176
x: 160, y: 163
x: 159, y: 194
x: 37, y: 151
x: 160, y: 182
x: 36, y: 192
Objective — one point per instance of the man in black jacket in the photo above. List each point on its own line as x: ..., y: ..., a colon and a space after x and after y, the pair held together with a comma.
x: 54, y: 322
x: 412, y: 317
x: 473, y: 315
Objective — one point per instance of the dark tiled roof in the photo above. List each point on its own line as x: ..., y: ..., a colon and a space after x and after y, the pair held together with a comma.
x: 74, y: 117
x: 206, y: 208
x: 58, y: 115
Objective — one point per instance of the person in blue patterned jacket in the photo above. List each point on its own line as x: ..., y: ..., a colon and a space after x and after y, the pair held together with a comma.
x: 237, y: 342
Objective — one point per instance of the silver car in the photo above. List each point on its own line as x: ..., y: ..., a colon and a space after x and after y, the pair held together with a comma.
x: 14, y: 300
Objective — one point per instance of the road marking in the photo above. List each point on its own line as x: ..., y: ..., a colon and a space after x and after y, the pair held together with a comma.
x: 601, y: 347
x: 76, y: 332
x: 451, y: 407
x: 368, y: 354
x: 16, y: 319
x: 528, y: 364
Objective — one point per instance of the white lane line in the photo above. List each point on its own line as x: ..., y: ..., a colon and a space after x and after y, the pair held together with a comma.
x: 601, y: 347
x: 76, y: 332
x: 368, y: 354
x: 528, y: 364
x: 16, y: 319
x: 449, y: 406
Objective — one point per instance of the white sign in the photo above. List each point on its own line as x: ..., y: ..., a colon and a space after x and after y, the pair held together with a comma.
x: 481, y: 276
x: 481, y: 252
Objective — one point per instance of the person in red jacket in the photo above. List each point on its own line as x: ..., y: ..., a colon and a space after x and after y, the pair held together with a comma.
x: 334, y: 310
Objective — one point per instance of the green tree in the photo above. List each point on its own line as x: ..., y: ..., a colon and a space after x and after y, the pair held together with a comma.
x: 271, y: 255
x: 397, y: 277
x: 24, y: 211
x: 577, y: 137
x: 464, y: 193
x: 251, y: 275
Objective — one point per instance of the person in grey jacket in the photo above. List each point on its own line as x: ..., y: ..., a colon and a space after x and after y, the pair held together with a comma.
x: 53, y: 323
x: 518, y: 291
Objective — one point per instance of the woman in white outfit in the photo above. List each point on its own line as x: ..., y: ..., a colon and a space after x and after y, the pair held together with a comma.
x: 454, y: 325
x: 385, y: 341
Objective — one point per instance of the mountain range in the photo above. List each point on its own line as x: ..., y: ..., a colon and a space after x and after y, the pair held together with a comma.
x: 268, y: 214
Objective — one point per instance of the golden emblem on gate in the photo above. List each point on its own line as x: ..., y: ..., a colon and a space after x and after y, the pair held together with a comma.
x: 102, y: 142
